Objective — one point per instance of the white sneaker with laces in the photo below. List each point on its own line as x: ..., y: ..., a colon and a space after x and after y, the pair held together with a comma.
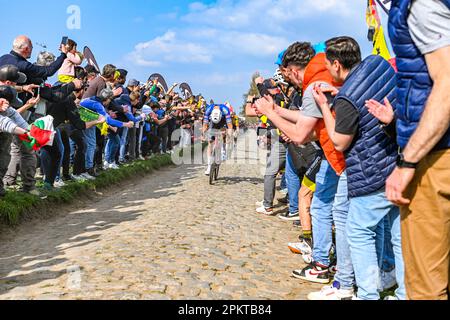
x: 59, y: 184
x: 208, y: 171
x: 265, y: 211
x: 332, y: 292
x: 87, y: 176
x: 113, y: 166
x: 300, y: 248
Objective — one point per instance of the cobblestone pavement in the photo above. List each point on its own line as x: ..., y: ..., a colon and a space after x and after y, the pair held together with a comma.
x: 167, y: 236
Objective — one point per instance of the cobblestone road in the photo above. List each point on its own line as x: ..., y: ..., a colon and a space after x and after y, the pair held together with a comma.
x: 167, y: 236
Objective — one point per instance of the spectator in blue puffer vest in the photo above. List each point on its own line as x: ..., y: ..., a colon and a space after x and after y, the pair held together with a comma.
x: 420, y: 35
x: 370, y: 155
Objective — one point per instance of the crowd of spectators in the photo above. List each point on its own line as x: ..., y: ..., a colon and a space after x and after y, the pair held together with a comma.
x: 362, y: 145
x: 102, y: 120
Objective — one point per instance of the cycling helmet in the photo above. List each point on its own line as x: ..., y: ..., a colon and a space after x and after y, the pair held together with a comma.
x: 278, y: 78
x: 216, y: 116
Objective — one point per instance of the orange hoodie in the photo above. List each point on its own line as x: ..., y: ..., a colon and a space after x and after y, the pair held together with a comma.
x: 317, y: 71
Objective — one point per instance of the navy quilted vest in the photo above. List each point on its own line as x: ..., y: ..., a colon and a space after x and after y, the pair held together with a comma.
x: 372, y: 157
x: 414, y: 83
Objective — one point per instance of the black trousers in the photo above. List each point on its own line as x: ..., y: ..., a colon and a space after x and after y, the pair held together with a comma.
x: 79, y: 160
x: 101, y: 140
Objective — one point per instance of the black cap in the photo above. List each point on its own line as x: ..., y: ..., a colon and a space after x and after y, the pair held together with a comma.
x: 91, y: 69
x: 7, y: 93
x: 123, y: 72
x: 11, y: 73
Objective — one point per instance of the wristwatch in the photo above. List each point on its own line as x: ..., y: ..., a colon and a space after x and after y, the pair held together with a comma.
x: 401, y: 163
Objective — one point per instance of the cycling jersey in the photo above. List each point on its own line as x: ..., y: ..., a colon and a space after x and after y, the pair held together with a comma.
x: 226, y: 116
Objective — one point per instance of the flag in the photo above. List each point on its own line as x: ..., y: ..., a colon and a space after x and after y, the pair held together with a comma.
x: 87, y: 115
x: 41, y: 134
x: 376, y: 32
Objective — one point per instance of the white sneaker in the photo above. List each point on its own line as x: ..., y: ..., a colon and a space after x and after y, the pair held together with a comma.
x: 87, y: 176
x: 388, y: 280
x: 208, y: 171
x: 307, y: 258
x: 332, y: 292
x: 391, y: 298
x: 113, y: 166
x: 105, y: 165
x: 59, y: 184
x: 78, y: 178
x: 141, y: 158
x: 300, y: 248
x: 264, y: 210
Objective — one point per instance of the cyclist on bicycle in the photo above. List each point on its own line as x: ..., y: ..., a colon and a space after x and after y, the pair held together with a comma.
x: 218, y: 120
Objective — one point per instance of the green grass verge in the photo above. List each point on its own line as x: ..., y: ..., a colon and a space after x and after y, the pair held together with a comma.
x: 15, y: 205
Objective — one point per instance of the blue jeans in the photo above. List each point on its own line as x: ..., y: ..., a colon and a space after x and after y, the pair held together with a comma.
x: 283, y: 184
x: 388, y: 256
x: 330, y: 203
x: 293, y: 185
x: 365, y: 228
x: 123, y: 144
x: 112, y: 147
x: 91, y: 144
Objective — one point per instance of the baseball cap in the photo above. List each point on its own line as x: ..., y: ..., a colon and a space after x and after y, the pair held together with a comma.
x: 133, y: 83
x: 7, y: 93
x: 10, y: 72
x: 280, y: 58
x: 122, y: 73
x: 91, y: 69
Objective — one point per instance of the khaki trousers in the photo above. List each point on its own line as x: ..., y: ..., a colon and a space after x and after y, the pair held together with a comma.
x: 426, y: 230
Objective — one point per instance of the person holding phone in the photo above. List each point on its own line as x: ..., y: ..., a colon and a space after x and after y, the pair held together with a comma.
x: 21, y: 52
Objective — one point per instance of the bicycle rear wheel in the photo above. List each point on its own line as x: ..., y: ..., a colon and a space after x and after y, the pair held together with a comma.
x: 216, y: 172
x: 212, y: 174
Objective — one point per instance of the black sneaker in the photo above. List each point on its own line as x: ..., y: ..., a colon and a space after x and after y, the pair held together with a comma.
x: 92, y: 172
x: 286, y: 216
x: 315, y: 272
x: 67, y: 178
x: 284, y: 200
